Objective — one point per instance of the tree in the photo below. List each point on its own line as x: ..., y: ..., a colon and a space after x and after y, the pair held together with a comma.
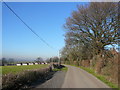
x: 48, y: 60
x: 89, y: 30
x: 39, y: 60
x: 55, y: 59
x: 95, y: 24
x: 4, y: 61
x: 10, y: 60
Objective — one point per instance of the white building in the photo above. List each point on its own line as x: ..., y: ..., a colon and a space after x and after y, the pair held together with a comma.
x: 24, y: 64
x: 36, y: 63
x: 18, y: 64
x: 30, y: 63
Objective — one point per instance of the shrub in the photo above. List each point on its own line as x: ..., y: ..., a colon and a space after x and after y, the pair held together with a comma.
x: 20, y: 80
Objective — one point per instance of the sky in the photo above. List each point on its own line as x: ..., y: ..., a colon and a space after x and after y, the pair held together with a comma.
x: 45, y: 18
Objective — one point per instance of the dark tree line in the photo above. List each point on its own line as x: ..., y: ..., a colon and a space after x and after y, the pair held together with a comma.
x: 6, y: 61
x: 52, y: 59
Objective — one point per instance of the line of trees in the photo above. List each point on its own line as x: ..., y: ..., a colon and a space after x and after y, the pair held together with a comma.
x: 7, y: 61
x: 39, y: 60
x: 48, y: 60
x: 53, y: 59
x: 89, y: 30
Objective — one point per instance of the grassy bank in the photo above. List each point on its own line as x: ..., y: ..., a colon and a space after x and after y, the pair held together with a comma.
x: 16, y: 69
x: 100, y: 77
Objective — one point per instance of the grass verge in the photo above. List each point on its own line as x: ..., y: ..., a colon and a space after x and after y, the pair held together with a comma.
x: 100, y: 77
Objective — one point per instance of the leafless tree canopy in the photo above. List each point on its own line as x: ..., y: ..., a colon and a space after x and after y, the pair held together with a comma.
x: 90, y: 29
x: 96, y: 24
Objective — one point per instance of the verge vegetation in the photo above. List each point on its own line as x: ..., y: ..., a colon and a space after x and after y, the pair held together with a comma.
x: 90, y: 32
x: 23, y: 79
x: 100, y: 77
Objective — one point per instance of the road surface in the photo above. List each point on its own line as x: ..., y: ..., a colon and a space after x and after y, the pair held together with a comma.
x: 55, y: 82
x: 73, y: 78
x: 78, y: 78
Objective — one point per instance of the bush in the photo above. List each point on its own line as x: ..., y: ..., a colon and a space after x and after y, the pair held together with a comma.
x: 17, y: 81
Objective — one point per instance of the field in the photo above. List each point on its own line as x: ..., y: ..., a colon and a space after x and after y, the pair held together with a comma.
x: 17, y: 69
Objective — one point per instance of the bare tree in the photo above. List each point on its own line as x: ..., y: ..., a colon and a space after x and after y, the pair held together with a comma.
x: 4, y: 61
x: 10, y: 60
x: 96, y: 23
x: 39, y: 60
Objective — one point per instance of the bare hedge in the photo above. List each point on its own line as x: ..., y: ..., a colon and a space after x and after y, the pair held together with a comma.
x: 23, y: 79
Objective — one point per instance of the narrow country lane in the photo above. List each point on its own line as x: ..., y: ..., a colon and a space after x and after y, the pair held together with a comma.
x: 73, y: 78
x: 78, y: 78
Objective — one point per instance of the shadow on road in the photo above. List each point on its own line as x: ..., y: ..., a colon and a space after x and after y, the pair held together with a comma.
x: 48, y: 77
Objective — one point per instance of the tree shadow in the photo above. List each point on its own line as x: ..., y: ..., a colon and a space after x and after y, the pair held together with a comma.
x: 49, y: 76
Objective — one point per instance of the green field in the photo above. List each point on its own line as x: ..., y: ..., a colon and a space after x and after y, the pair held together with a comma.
x: 17, y: 69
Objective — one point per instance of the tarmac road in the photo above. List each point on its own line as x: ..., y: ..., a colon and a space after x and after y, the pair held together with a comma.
x: 55, y: 82
x: 73, y: 78
x: 78, y: 78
